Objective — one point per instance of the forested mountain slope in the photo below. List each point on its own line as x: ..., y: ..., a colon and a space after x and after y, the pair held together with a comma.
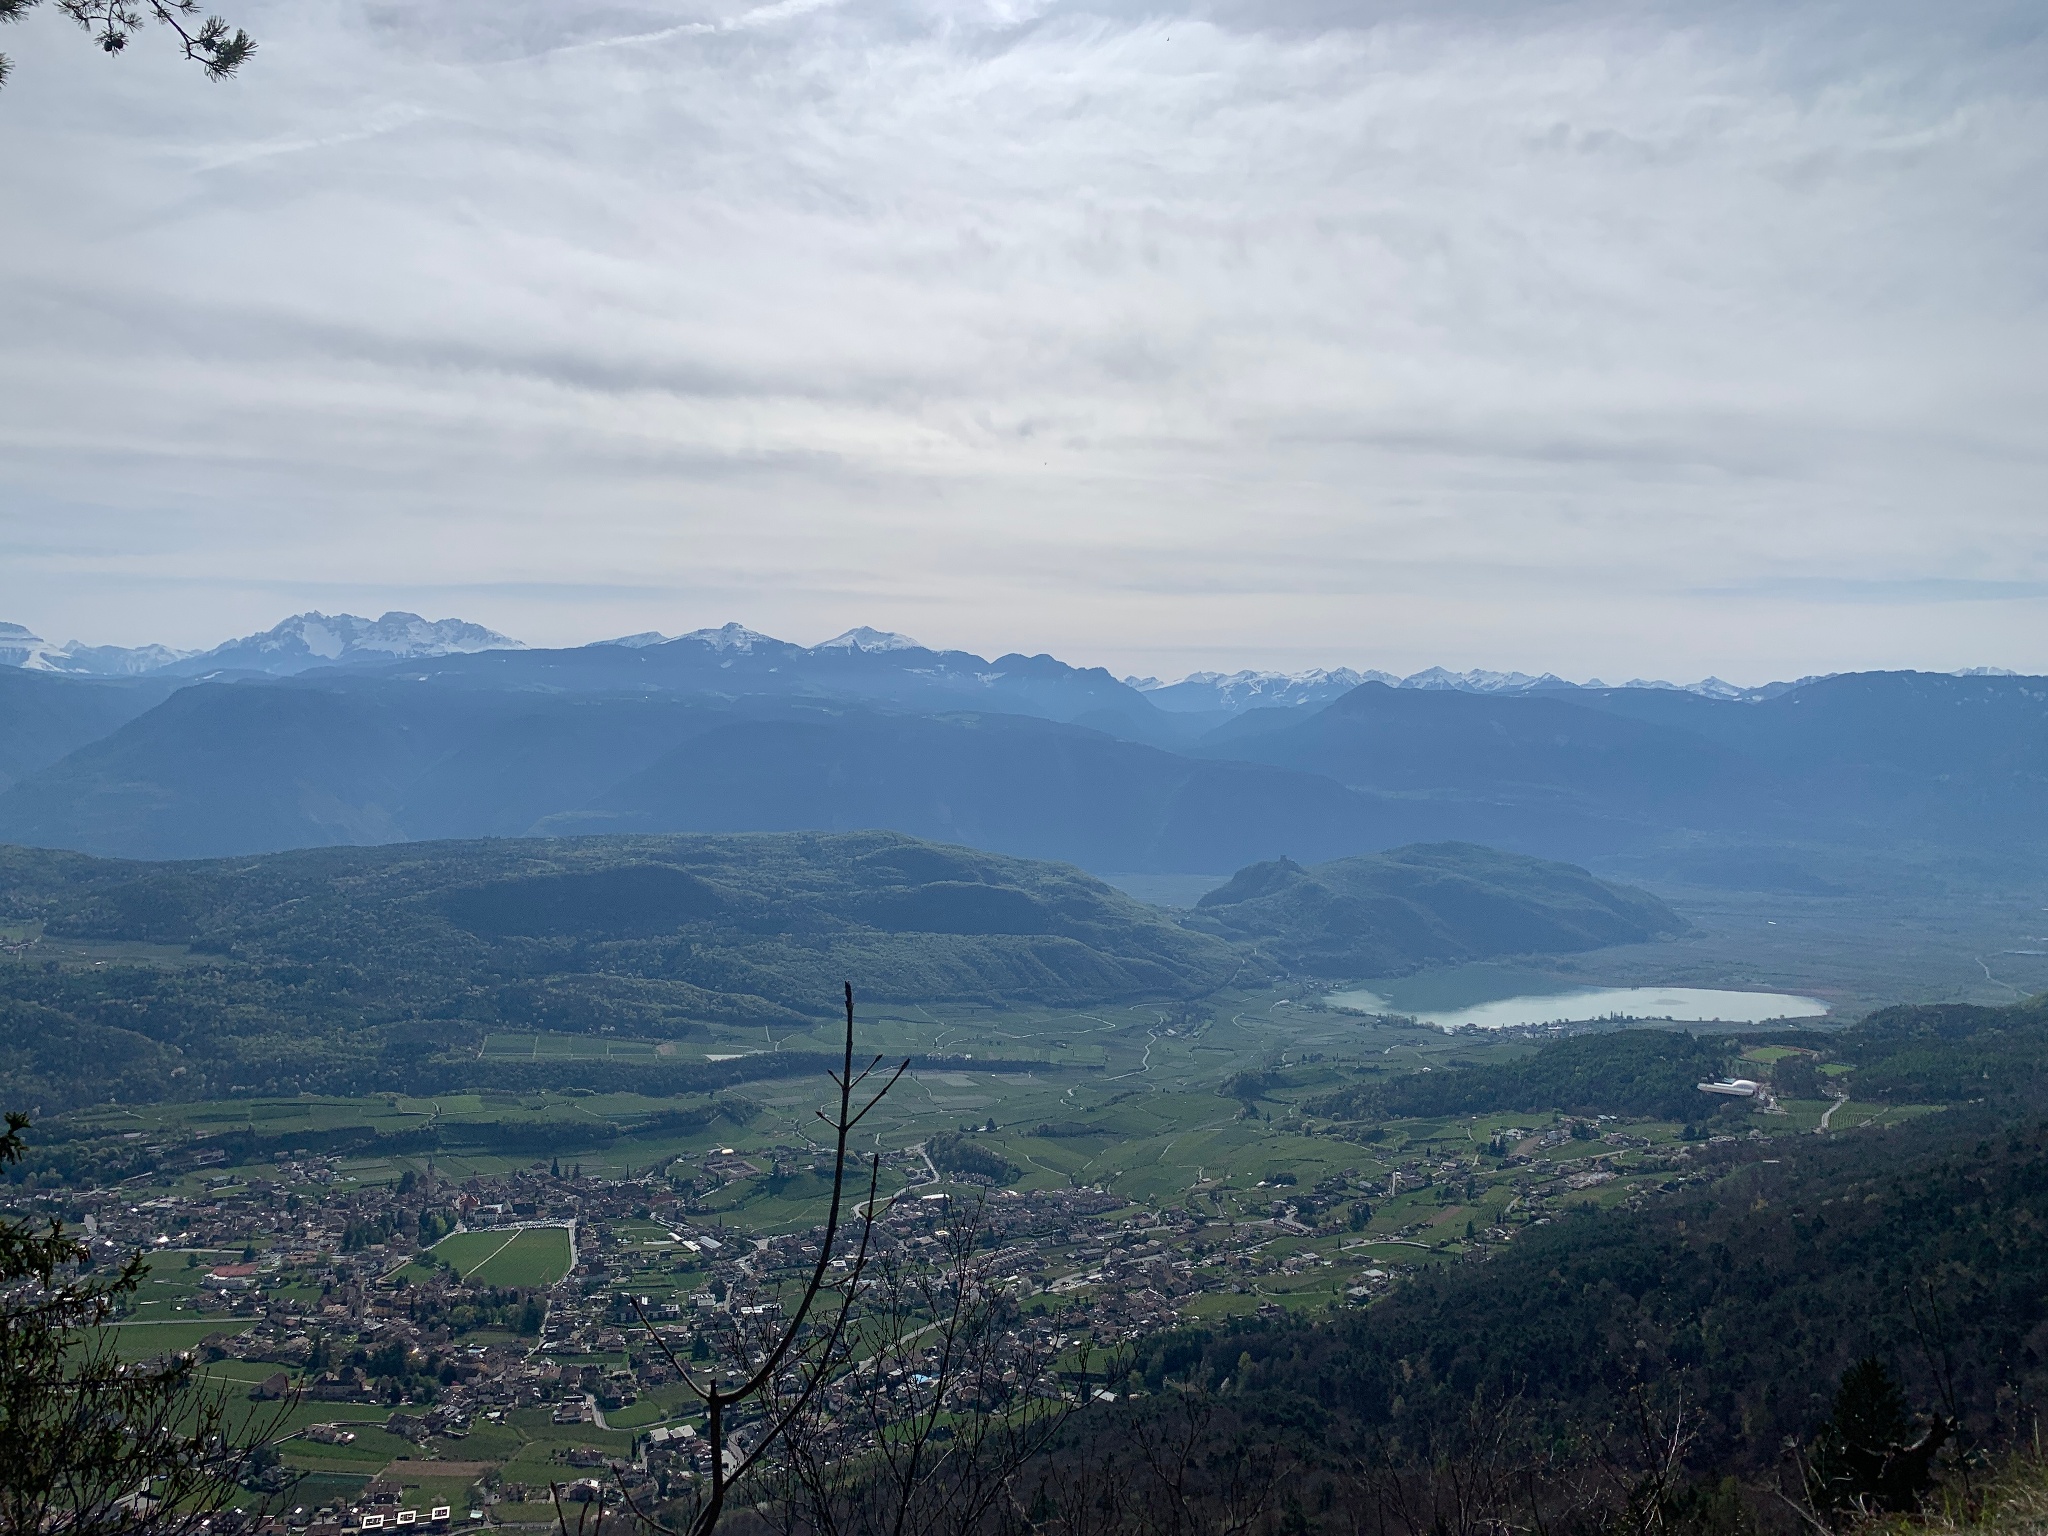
x: 258, y: 767
x: 1746, y: 1294
x: 1030, y: 756
x: 349, y: 968
x: 338, y: 966
x: 1752, y: 1296
x: 1856, y: 760
x: 1386, y: 913
x: 44, y: 718
x: 1027, y: 787
x: 735, y: 662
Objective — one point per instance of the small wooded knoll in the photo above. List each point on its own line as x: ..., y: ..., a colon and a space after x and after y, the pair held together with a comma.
x: 1654, y: 1072
x: 1382, y: 914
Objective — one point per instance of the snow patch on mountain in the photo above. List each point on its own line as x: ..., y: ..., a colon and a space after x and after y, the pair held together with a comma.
x: 737, y: 637
x: 79, y: 660
x: 1477, y: 681
x: 307, y: 640
x: 22, y: 647
x: 1240, y: 691
x: 730, y: 637
x: 1706, y: 687
x: 861, y: 638
x: 1715, y: 688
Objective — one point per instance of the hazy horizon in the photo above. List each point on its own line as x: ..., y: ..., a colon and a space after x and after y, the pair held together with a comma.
x: 1148, y: 680
x: 1582, y: 338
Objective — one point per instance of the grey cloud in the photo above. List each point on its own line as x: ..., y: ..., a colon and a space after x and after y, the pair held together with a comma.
x: 1067, y: 320
x: 1892, y: 592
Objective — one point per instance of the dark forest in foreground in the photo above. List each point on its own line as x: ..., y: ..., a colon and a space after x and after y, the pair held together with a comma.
x: 1501, y: 1391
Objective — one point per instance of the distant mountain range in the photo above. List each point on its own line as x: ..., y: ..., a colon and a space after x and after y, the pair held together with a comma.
x: 331, y: 730
x: 308, y: 640
x: 22, y: 647
x: 739, y: 637
x: 1236, y: 692
x: 300, y: 643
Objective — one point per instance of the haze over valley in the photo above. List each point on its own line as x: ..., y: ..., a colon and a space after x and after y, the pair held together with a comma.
x: 1023, y: 768
x: 352, y: 731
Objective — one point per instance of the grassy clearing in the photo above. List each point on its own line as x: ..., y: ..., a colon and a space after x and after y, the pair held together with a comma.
x: 542, y: 1437
x: 244, y: 1373
x: 423, y: 1484
x: 466, y: 1250
x: 553, y: 1047
x: 316, y: 1488
x: 354, y: 1415
x: 656, y: 1406
x: 532, y: 1256
x: 370, y: 1450
x: 535, y: 1257
x: 139, y: 1341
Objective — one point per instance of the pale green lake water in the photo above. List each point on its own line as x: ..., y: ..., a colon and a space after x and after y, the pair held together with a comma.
x: 1679, y: 1005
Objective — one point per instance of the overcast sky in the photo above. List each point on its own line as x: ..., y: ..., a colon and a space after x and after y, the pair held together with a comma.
x: 1604, y: 339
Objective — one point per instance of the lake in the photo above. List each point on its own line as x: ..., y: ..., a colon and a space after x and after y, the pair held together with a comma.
x: 1679, y: 1005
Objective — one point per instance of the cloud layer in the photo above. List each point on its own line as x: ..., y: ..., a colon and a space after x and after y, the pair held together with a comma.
x: 1594, y: 338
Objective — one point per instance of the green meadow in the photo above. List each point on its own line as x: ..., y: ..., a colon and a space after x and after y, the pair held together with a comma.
x: 1156, y: 1103
x: 532, y: 1256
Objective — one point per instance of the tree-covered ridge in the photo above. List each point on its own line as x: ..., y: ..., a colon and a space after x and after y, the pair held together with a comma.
x: 760, y: 915
x: 357, y: 968
x: 1432, y: 903
x: 1948, y: 1053
x: 1914, y: 1054
x: 1646, y: 1072
x: 1922, y: 1246
x: 337, y: 968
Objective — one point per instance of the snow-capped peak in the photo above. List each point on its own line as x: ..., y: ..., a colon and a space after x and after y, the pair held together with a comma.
x: 1238, y: 691
x: 638, y: 642
x: 1706, y: 687
x: 80, y: 660
x: 313, y: 639
x: 1477, y: 681
x: 22, y: 647
x: 861, y: 638
x: 1734, y: 693
x: 1249, y: 689
x: 730, y: 637
x: 407, y: 634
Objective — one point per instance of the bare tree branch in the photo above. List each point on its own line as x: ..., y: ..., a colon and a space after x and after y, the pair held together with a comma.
x: 209, y: 41
x: 815, y: 1355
